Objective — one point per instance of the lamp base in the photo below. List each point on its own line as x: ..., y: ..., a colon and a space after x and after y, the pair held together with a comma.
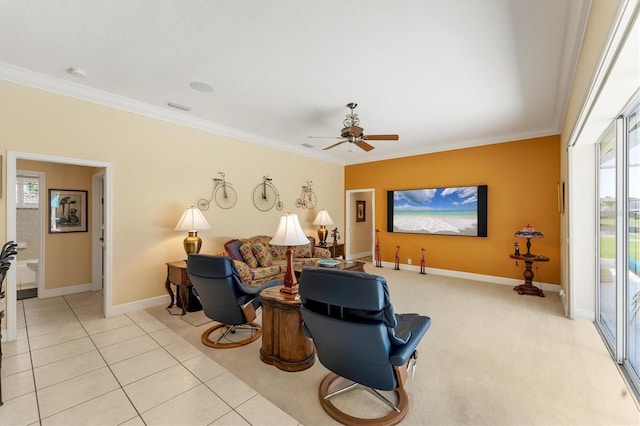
x: 322, y: 236
x: 289, y: 290
x: 192, y: 243
x: 290, y: 281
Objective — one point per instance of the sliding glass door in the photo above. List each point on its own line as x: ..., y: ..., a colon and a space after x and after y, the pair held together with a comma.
x: 633, y: 250
x: 618, y: 289
x: 607, y: 290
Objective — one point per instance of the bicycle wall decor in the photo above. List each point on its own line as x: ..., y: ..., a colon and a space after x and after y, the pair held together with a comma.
x: 308, y: 199
x: 223, y: 193
x: 266, y: 196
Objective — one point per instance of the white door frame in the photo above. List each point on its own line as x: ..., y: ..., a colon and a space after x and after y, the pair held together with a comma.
x: 348, y: 203
x: 12, y: 157
x: 97, y: 231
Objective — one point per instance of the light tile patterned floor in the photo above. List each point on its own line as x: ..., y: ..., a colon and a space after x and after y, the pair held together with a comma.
x: 72, y: 366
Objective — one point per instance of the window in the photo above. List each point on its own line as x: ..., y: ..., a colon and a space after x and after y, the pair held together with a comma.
x: 27, y: 192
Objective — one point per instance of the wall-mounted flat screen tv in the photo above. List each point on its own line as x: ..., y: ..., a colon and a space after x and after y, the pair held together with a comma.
x: 455, y: 210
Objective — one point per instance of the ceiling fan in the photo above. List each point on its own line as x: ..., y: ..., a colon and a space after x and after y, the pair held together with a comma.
x: 352, y: 133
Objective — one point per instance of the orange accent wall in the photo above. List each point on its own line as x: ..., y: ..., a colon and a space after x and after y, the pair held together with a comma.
x: 522, y: 178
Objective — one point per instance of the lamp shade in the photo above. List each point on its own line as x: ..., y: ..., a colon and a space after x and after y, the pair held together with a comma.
x: 528, y: 232
x: 192, y: 220
x: 323, y: 218
x: 289, y: 232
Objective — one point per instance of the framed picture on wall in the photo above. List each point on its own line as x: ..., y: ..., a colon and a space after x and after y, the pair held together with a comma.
x: 67, y: 211
x: 361, y: 215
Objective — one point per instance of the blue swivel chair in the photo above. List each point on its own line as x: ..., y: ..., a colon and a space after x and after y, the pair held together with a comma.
x: 358, y: 337
x: 225, y: 298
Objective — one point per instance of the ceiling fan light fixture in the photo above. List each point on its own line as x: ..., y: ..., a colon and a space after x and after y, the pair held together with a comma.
x: 352, y: 133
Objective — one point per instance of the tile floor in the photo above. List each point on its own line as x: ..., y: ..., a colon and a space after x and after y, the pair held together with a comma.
x: 70, y: 366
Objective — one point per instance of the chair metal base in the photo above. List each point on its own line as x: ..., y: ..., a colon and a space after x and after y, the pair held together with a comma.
x: 256, y: 332
x: 398, y: 411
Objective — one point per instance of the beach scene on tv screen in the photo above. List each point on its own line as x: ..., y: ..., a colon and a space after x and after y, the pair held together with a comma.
x: 449, y: 211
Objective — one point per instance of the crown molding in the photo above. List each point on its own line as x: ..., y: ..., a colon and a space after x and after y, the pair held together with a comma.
x: 578, y: 21
x: 74, y: 90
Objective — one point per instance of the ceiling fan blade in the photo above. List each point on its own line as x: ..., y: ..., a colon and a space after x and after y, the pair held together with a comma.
x: 381, y: 137
x: 364, y: 145
x: 334, y: 145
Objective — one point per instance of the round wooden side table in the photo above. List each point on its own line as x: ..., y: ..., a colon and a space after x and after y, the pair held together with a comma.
x: 284, y: 345
x: 528, y: 287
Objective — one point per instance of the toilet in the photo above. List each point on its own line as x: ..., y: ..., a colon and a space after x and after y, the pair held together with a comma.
x: 33, y: 265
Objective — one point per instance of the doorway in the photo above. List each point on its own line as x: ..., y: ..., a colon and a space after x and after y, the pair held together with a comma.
x: 97, y: 232
x: 360, y: 222
x: 30, y: 217
x: 12, y: 159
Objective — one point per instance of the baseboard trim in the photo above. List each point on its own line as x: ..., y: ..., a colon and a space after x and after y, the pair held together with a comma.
x: 139, y: 305
x: 584, y: 314
x: 471, y: 276
x: 359, y: 255
x: 65, y: 291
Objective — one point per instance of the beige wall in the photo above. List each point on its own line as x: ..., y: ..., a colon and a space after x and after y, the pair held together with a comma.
x: 159, y: 169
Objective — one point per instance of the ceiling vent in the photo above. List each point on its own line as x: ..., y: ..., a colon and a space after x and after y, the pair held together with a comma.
x: 178, y: 106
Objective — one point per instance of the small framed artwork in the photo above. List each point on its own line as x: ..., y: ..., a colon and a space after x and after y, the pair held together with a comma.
x: 67, y: 211
x: 361, y: 211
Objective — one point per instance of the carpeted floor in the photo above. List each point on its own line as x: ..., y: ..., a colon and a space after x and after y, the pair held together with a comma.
x: 490, y: 357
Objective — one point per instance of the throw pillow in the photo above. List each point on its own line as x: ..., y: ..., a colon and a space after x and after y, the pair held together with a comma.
x: 247, y: 255
x: 262, y: 254
x: 232, y: 247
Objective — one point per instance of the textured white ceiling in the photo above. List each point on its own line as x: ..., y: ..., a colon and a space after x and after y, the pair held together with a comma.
x: 441, y: 74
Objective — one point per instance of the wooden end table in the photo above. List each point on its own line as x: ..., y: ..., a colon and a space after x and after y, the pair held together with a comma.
x: 528, y: 287
x: 284, y: 345
x: 335, y: 249
x: 178, y: 276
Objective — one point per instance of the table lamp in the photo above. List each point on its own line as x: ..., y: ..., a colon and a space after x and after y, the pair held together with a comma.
x: 323, y: 219
x: 528, y: 232
x: 192, y: 221
x: 289, y: 233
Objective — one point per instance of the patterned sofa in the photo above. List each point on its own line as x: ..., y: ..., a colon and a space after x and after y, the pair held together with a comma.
x: 259, y: 262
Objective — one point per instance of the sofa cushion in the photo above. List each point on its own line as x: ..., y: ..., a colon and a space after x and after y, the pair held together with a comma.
x: 305, y: 250
x: 243, y: 270
x: 300, y: 262
x: 265, y: 272
x: 247, y: 255
x: 262, y: 253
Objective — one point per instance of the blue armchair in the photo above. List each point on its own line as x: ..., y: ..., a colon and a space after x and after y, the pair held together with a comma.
x: 358, y: 337
x: 225, y: 299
